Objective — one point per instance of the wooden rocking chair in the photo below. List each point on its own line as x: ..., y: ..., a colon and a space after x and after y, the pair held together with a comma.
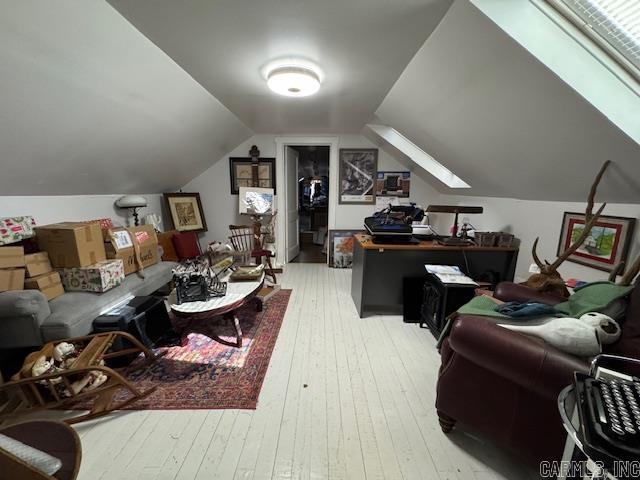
x: 27, y: 393
x: 246, y: 241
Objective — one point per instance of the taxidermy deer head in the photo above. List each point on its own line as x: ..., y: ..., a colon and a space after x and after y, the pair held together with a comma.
x: 549, y: 280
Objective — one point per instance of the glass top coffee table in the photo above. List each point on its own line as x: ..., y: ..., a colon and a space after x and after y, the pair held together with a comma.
x: 238, y: 295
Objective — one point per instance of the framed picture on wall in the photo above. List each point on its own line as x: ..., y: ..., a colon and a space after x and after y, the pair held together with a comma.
x: 185, y: 210
x: 606, y: 246
x: 357, y: 168
x: 341, y: 244
x: 393, y: 184
x: 241, y: 173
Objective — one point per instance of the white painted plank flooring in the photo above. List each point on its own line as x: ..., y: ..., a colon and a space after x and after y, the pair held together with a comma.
x: 344, y: 398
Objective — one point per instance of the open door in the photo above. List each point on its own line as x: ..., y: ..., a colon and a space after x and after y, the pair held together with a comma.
x: 292, y: 228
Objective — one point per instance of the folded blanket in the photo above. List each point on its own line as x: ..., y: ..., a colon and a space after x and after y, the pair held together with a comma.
x: 526, y: 310
x: 481, y: 305
x: 592, y: 297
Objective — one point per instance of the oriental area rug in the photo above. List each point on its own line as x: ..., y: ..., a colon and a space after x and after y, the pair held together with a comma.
x: 203, y: 373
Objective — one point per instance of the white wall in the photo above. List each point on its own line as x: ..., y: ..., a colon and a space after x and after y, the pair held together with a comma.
x: 220, y: 208
x: 60, y: 208
x: 528, y: 219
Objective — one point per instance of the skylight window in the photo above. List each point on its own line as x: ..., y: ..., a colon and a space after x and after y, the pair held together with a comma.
x: 615, y: 25
x: 422, y: 158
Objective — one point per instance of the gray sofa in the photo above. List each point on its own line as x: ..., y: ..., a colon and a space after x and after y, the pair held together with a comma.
x: 27, y: 319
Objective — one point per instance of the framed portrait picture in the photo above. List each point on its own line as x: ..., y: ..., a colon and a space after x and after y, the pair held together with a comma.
x: 341, y: 243
x: 357, y: 181
x: 185, y: 210
x: 241, y: 173
x: 393, y: 184
x: 606, y: 246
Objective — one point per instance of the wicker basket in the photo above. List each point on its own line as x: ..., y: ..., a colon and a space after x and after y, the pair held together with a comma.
x: 486, y: 239
x: 504, y: 239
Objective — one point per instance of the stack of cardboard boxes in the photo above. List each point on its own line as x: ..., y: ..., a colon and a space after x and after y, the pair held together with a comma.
x: 85, y: 257
x: 15, y: 266
x: 40, y: 275
x: 12, y: 262
x: 77, y: 250
x: 11, y: 268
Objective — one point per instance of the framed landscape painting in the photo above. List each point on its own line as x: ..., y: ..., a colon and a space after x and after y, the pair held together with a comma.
x: 358, y: 168
x: 185, y: 210
x: 606, y: 246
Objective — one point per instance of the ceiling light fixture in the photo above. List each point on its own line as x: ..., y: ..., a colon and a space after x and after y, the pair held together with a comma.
x: 293, y: 81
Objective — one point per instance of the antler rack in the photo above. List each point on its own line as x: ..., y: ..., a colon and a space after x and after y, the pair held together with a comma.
x: 590, y: 220
x: 631, y: 273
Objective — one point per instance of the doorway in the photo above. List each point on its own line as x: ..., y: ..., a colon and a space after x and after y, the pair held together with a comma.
x: 312, y: 201
x: 287, y: 221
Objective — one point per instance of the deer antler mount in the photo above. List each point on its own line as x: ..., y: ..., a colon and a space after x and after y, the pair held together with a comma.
x: 549, y: 280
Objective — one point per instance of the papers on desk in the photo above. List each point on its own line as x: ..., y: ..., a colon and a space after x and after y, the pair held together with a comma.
x: 449, y: 274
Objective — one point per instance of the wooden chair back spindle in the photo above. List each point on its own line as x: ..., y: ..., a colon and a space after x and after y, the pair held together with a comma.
x: 244, y: 240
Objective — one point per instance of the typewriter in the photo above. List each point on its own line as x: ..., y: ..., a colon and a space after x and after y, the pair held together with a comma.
x: 393, y: 224
x: 609, y: 410
x: 196, y: 287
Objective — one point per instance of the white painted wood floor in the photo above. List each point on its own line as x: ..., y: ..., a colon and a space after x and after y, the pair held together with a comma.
x: 344, y: 398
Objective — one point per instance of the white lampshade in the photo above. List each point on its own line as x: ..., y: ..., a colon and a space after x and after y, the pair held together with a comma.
x: 131, y: 201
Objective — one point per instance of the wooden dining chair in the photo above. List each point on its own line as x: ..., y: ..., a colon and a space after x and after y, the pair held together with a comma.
x: 249, y: 244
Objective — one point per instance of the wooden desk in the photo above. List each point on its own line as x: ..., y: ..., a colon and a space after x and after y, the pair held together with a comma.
x: 379, y: 269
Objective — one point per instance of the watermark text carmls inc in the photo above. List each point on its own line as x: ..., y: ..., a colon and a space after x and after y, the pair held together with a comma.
x: 572, y: 469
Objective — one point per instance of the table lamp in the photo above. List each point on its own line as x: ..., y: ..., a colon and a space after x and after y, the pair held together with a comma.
x: 133, y: 202
x: 457, y: 209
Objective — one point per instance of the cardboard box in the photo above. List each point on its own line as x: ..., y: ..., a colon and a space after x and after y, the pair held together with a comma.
x: 49, y: 284
x: 11, y: 279
x: 105, y: 223
x: 11, y: 257
x: 15, y: 229
x: 37, y: 264
x: 99, y: 277
x: 71, y: 244
x: 125, y: 242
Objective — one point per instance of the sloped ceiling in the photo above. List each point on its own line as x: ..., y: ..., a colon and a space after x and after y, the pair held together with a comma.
x: 90, y: 105
x: 360, y: 45
x: 490, y: 112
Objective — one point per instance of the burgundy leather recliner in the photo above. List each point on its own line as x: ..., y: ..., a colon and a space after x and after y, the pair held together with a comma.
x: 504, y: 385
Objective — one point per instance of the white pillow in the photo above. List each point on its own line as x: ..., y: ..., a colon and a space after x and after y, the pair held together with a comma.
x: 32, y: 456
